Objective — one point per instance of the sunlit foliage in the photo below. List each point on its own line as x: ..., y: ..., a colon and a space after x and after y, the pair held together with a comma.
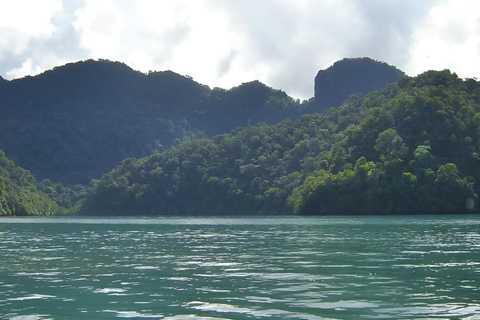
x: 409, y: 148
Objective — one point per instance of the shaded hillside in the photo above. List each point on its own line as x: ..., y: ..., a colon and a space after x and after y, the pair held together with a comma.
x: 334, y: 85
x: 412, y: 147
x: 75, y: 122
x: 248, y: 104
x: 19, y: 195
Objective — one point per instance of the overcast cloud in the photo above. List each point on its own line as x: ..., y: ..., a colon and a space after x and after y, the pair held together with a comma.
x: 224, y: 43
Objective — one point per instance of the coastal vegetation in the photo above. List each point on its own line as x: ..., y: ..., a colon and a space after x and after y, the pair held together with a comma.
x: 19, y: 193
x: 411, y: 147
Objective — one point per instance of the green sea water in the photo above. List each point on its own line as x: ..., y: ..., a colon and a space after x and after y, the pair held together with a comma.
x: 408, y: 267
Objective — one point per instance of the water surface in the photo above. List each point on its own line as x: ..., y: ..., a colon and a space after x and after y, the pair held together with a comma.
x: 420, y: 267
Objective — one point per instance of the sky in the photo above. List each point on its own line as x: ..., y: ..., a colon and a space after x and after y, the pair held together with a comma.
x: 224, y: 43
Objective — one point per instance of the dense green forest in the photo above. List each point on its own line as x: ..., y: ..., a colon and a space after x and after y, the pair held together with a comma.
x: 20, y: 194
x: 76, y: 122
x: 409, y: 148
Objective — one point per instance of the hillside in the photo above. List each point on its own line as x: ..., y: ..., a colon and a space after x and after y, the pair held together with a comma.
x: 412, y: 147
x: 76, y: 122
x: 334, y: 85
x: 19, y: 195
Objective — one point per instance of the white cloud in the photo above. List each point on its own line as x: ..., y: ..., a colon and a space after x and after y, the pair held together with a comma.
x: 448, y: 39
x: 27, y: 68
x: 188, y: 37
x: 210, y: 46
x: 99, y: 24
x: 24, y: 20
x: 285, y: 43
x: 29, y: 17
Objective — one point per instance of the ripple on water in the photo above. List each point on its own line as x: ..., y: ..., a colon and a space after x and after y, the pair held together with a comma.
x: 32, y: 297
x: 146, y: 268
x: 109, y: 290
x: 193, y: 317
x: 298, y: 270
x: 217, y: 307
x: 31, y: 274
x: 339, y: 305
x: 30, y: 317
x: 438, y: 311
x: 133, y: 314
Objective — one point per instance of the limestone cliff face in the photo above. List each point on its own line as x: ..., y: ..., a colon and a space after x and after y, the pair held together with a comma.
x: 334, y: 85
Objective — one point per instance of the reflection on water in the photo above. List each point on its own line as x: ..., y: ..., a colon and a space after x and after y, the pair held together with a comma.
x: 240, y: 268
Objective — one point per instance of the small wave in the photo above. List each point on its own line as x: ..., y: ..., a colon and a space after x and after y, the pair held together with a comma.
x: 109, y: 290
x: 32, y: 297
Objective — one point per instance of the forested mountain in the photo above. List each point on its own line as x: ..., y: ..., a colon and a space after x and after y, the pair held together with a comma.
x: 75, y: 122
x: 19, y: 194
x: 334, y: 85
x: 412, y: 147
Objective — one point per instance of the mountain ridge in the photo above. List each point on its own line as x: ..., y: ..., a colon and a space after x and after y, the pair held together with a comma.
x: 410, y: 148
x: 334, y: 85
x: 102, y: 107
x: 75, y: 122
